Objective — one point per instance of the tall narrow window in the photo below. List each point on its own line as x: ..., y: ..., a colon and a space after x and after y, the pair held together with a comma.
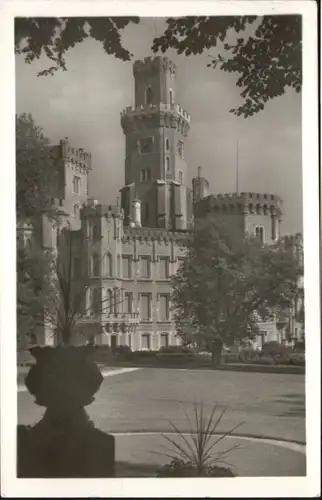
x: 164, y: 307
x: 146, y: 341
x: 180, y: 176
x: 164, y: 340
x: 164, y: 268
x: 148, y: 96
x: 108, y: 307
x: 167, y: 144
x: 145, y: 306
x: 108, y: 265
x: 167, y: 164
x: 76, y: 184
x: 126, y: 265
x: 145, y: 267
x: 259, y: 233
x: 95, y: 232
x: 118, y: 266
x: 76, y: 211
x: 128, y: 302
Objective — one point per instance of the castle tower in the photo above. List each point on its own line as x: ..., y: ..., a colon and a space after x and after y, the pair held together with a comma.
x: 155, y: 130
x: 256, y: 214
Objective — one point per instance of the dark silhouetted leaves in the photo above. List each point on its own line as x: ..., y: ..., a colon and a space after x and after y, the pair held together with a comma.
x: 266, y: 63
x: 55, y: 36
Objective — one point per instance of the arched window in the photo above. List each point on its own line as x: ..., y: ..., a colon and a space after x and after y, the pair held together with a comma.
x: 167, y: 144
x: 148, y: 96
x: 95, y: 265
x: 170, y: 97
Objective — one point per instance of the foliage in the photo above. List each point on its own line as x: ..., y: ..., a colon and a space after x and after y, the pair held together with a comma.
x: 266, y: 55
x: 274, y: 349
x: 225, y: 287
x: 34, y: 290
x: 196, y: 452
x: 54, y: 37
x: 180, y: 468
x: 36, y: 172
x: 175, y: 349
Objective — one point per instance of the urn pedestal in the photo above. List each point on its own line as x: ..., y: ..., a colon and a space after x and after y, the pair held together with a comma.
x: 65, y: 442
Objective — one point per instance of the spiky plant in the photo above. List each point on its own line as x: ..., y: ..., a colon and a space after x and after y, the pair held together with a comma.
x: 192, y: 453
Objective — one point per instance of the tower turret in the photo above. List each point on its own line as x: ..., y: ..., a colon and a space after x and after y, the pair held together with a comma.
x: 155, y: 130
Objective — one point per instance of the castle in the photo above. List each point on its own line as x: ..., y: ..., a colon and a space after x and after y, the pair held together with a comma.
x: 127, y: 252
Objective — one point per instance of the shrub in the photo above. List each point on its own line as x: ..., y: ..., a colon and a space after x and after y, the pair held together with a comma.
x: 176, y: 357
x: 175, y: 349
x: 263, y: 360
x: 193, y: 456
x: 274, y: 349
x: 143, y: 354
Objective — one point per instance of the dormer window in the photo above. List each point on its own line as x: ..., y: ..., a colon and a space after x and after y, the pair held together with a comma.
x: 148, y: 96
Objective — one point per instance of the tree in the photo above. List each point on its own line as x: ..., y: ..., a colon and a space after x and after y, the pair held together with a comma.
x: 225, y: 287
x: 54, y: 37
x: 267, y: 62
x: 36, y: 171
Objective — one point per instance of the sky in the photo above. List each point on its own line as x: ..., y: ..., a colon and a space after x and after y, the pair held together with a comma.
x: 84, y: 104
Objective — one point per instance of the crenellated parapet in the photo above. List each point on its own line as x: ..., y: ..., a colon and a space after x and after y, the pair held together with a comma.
x: 240, y: 203
x: 76, y: 156
x: 101, y: 210
x: 155, y: 115
x: 154, y: 64
x: 150, y: 235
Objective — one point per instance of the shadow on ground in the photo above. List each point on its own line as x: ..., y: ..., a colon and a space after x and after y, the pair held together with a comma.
x: 294, y: 405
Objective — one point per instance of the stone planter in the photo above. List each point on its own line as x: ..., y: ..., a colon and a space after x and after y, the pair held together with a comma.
x: 65, y: 442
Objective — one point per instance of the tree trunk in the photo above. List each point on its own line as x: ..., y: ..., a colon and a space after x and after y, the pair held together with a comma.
x: 216, y: 348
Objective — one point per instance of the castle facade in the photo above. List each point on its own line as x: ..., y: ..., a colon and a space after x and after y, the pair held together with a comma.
x: 127, y: 252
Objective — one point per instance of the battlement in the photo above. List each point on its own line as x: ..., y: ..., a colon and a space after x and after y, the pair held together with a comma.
x: 131, y: 112
x: 242, y: 203
x: 94, y: 209
x: 293, y: 240
x: 156, y: 63
x: 75, y: 155
x: 150, y: 234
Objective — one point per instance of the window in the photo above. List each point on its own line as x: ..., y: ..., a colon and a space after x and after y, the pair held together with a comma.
x: 167, y: 144
x: 76, y: 211
x: 180, y: 149
x: 118, y: 266
x: 126, y: 264
x: 128, y: 302
x: 146, y: 145
x: 259, y: 233
x: 148, y: 96
x: 164, y: 340
x: 180, y: 177
x: 108, y: 307
x: 164, y: 268
x: 164, y: 307
x: 76, y: 267
x: 171, y: 97
x: 96, y: 300
x: 145, y: 267
x: 108, y: 268
x: 167, y: 164
x: 76, y: 184
x: 146, y: 341
x: 145, y: 175
x: 145, y: 306
x: 95, y: 265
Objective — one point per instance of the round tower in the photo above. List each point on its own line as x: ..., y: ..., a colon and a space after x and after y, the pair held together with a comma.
x: 155, y: 130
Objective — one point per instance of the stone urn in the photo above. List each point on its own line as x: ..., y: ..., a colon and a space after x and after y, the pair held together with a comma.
x: 65, y: 442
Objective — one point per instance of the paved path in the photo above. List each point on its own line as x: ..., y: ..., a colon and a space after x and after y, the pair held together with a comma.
x: 141, y: 401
